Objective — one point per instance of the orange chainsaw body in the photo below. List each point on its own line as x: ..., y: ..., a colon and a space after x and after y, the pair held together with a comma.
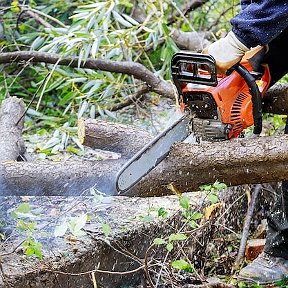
x: 233, y: 100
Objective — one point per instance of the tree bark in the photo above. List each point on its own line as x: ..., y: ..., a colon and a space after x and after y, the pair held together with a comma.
x: 276, y: 100
x: 242, y: 161
x: 11, y: 142
x: 187, y: 166
x: 115, y: 137
x: 67, y: 178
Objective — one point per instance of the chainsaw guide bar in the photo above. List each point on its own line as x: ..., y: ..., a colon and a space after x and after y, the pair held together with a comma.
x: 152, y: 154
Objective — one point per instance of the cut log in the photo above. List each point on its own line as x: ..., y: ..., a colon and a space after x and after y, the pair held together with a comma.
x: 188, y: 166
x: 236, y: 162
x: 11, y: 142
x: 243, y: 161
x: 276, y: 100
x: 120, y: 138
x: 71, y: 178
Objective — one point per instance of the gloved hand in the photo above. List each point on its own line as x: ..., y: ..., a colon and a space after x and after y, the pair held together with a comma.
x: 227, y: 51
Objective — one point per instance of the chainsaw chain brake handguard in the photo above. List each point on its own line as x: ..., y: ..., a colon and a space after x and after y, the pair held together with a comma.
x: 197, y: 68
x: 186, y: 67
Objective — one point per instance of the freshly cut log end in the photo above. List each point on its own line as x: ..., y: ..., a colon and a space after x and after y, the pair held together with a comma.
x: 254, y: 248
x: 81, y: 130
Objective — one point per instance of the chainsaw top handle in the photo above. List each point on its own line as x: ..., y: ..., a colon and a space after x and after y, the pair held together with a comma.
x: 256, y: 96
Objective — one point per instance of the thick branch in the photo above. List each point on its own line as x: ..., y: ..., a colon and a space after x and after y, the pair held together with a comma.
x: 243, y: 161
x: 136, y: 69
x: 276, y: 100
x: 115, y: 137
x: 192, y: 41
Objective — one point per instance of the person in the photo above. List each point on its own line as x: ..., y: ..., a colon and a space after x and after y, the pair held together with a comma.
x: 264, y: 23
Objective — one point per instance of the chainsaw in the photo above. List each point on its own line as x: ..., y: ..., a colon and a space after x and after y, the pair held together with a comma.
x: 213, y: 108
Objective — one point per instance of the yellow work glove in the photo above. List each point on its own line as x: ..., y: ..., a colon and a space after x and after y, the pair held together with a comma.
x: 227, y: 52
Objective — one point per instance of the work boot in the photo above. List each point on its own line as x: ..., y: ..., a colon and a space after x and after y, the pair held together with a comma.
x: 265, y: 269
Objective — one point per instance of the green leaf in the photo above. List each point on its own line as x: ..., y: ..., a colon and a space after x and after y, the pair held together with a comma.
x: 121, y: 20
x: 196, y: 216
x: 177, y: 237
x: 213, y: 198
x: 193, y: 224
x: 169, y: 247
x: 106, y: 229
x: 184, y: 202
x: 147, y: 218
x: 76, y: 224
x: 32, y: 247
x: 23, y: 208
x: 21, y: 225
x: 29, y: 251
x: 80, y: 221
x: 182, y: 265
x: 219, y: 186
x: 159, y: 241
x: 205, y: 187
x: 162, y: 212
x: 165, y: 29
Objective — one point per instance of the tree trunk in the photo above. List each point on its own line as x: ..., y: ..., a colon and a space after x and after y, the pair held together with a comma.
x: 11, y: 142
x: 242, y: 161
x: 187, y: 166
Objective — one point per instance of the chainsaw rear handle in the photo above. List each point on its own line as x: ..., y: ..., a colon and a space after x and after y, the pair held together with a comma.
x: 256, y: 96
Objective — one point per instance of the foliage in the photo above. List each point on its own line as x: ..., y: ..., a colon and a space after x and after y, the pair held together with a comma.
x: 109, y: 30
x: 182, y: 265
x: 31, y: 246
x: 212, y: 190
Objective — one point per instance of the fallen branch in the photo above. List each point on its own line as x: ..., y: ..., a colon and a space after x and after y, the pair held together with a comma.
x: 130, y: 68
x: 115, y: 137
x: 246, y: 227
